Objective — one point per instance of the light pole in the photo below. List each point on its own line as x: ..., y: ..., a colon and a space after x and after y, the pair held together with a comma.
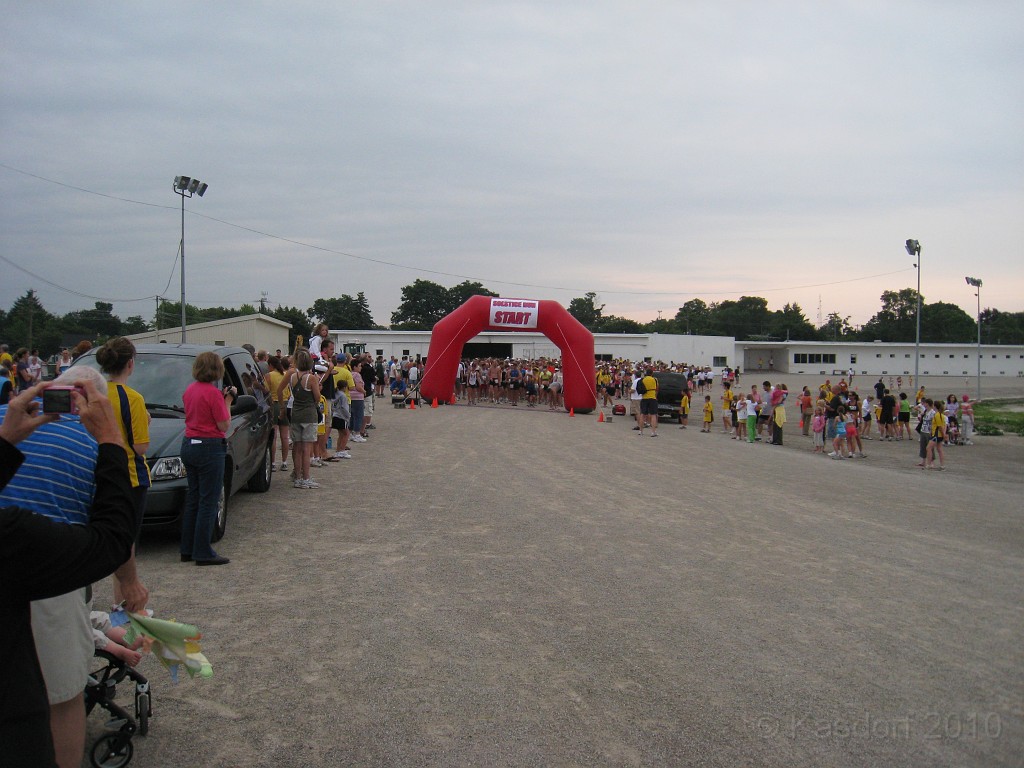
x: 186, y: 186
x: 914, y: 249
x: 976, y: 283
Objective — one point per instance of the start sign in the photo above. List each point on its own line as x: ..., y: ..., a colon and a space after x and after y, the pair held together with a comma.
x: 513, y: 313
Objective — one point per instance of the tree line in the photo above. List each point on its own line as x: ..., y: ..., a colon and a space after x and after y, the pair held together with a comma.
x: 27, y: 323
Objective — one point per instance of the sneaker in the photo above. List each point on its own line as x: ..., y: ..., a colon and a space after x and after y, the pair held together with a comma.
x: 654, y: 434
x: 343, y: 455
x: 284, y: 466
x: 862, y: 455
x: 298, y: 484
x: 357, y: 439
x: 831, y: 454
x: 311, y: 484
x: 371, y: 426
x: 836, y: 457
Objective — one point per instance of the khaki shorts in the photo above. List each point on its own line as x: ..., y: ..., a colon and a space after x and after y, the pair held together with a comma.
x: 368, y: 405
x: 64, y: 643
x: 302, y: 433
x: 634, y: 407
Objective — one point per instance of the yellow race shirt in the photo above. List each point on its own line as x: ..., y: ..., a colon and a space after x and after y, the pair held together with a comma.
x: 131, y: 413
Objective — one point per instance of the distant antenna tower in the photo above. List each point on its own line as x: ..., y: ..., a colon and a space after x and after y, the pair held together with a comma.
x: 263, y: 302
x: 819, y: 311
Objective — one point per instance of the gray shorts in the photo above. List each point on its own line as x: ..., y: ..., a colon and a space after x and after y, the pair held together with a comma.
x: 302, y: 433
x: 64, y: 644
x: 368, y: 405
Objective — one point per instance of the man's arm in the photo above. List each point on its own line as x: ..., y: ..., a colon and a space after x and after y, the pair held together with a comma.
x: 41, y: 558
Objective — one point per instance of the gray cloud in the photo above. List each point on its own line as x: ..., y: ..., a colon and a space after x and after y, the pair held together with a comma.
x: 700, y: 149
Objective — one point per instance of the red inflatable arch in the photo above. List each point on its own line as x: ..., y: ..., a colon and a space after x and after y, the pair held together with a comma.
x: 484, y: 313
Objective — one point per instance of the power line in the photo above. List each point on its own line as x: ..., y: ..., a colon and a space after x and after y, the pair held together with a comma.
x: 420, y: 269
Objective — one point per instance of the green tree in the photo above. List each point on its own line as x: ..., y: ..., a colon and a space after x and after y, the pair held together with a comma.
x: 100, y: 322
x: 461, y: 293
x: 1001, y: 327
x: 133, y: 324
x: 741, y: 319
x: 897, y: 320
x: 28, y: 324
x: 616, y: 324
x: 790, y: 323
x: 694, y: 317
x: 943, y: 323
x: 344, y: 312
x: 836, y: 327
x: 423, y: 304
x: 586, y: 311
x: 300, y: 321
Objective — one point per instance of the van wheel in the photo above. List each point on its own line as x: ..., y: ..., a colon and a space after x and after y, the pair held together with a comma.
x: 221, y: 522
x: 260, y: 481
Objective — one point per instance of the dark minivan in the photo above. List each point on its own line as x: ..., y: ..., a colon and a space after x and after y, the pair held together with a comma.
x: 670, y: 394
x: 162, y: 372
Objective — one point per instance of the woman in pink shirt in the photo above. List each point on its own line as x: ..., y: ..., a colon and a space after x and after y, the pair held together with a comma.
x: 203, y: 449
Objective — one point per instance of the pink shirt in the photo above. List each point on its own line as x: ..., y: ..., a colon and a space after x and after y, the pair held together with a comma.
x: 204, y: 407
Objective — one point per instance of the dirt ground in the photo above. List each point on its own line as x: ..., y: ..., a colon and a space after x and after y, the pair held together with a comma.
x: 509, y: 586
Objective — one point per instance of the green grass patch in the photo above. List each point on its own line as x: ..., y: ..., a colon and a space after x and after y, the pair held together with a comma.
x: 996, y: 417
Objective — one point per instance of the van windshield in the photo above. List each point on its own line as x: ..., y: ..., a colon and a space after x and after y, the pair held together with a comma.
x: 160, y: 379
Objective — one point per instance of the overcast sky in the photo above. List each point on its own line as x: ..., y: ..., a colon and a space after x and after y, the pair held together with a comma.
x: 649, y: 152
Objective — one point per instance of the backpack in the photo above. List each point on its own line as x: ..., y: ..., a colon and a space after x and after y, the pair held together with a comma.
x: 641, y: 388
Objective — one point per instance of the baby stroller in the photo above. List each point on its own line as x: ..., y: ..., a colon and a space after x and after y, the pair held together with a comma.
x: 953, y: 436
x: 114, y: 749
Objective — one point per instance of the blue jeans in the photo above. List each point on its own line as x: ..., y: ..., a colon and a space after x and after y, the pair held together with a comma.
x: 356, y: 422
x: 204, y: 463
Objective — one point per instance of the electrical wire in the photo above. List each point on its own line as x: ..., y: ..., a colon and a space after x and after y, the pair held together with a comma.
x: 418, y: 269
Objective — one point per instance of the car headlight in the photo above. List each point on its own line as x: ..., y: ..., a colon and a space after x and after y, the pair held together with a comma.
x: 168, y: 468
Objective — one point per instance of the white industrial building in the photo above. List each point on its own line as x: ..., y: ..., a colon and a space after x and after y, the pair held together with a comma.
x: 797, y: 357
x: 262, y: 331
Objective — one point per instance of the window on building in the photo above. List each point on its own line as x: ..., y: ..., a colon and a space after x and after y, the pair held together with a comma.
x: 380, y: 353
x: 853, y: 359
x: 717, y: 362
x: 405, y: 353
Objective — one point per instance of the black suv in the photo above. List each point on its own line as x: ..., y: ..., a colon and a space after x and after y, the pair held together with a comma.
x: 670, y: 394
x: 162, y: 372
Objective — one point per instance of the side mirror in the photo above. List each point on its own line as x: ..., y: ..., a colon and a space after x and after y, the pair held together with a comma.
x: 243, y: 404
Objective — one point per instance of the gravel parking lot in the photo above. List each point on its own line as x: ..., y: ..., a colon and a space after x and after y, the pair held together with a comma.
x: 498, y: 586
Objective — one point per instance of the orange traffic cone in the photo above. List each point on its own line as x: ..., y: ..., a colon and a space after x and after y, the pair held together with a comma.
x: 572, y: 411
x: 434, y: 404
x: 412, y: 404
x: 600, y: 419
x: 452, y: 401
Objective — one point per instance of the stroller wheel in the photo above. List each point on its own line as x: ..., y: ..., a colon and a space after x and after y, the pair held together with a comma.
x: 112, y: 751
x: 142, y: 711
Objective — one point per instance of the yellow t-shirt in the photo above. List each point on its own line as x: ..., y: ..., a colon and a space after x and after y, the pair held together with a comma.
x: 343, y: 374
x: 684, y: 404
x: 709, y: 412
x: 727, y: 399
x: 130, y: 411
x: 651, y: 384
x: 274, y: 379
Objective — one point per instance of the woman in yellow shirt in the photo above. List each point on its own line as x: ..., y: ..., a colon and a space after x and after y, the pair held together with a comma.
x: 279, y: 408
